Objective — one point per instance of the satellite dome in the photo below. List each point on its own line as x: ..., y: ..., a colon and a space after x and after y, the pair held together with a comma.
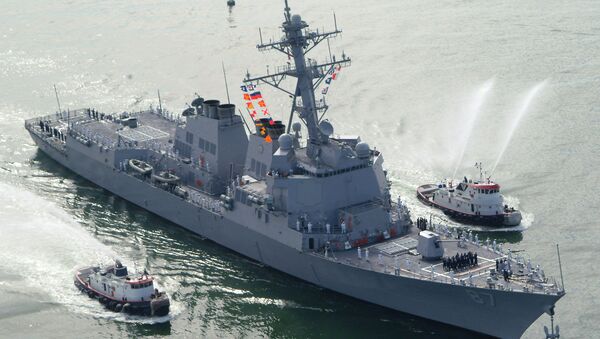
x: 188, y: 111
x: 326, y: 128
x: 296, y: 127
x: 198, y: 102
x: 285, y: 142
x: 296, y: 19
x: 362, y: 150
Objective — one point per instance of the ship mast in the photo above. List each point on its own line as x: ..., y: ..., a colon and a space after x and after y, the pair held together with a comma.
x: 296, y: 43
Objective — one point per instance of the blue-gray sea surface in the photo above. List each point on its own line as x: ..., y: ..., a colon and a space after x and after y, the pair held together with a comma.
x: 435, y: 85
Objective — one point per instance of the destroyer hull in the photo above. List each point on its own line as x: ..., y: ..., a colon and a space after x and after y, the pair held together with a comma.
x: 493, y: 312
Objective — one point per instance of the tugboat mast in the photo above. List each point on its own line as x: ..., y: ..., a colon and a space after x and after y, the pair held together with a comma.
x: 296, y: 43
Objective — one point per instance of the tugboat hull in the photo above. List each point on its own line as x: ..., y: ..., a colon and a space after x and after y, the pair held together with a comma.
x: 425, y: 192
x: 157, y: 307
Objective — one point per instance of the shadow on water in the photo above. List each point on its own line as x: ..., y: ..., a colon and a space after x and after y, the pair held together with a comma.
x: 221, y: 291
x: 136, y: 329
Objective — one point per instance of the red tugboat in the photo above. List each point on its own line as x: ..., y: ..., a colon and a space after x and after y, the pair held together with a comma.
x: 121, y: 292
x: 477, y: 202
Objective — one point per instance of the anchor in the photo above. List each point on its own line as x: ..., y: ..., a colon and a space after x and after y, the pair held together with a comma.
x: 555, y: 331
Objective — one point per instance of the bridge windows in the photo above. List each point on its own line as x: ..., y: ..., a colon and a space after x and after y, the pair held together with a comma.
x: 302, y: 171
x: 189, y: 138
x: 183, y: 149
x: 207, y: 146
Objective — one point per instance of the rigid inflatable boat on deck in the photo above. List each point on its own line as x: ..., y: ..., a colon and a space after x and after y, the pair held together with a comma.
x: 166, y: 178
x: 140, y: 166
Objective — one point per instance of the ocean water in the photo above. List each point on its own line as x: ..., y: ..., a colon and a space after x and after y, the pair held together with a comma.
x: 414, y: 91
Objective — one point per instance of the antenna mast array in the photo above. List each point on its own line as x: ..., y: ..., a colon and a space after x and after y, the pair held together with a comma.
x: 296, y: 44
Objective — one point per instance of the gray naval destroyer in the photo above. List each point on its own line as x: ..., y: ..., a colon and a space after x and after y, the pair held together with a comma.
x: 317, y: 207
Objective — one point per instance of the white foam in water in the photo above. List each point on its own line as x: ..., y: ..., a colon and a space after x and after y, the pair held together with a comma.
x: 43, y: 245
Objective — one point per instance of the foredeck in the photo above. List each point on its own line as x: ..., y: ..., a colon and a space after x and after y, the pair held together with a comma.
x: 399, y: 257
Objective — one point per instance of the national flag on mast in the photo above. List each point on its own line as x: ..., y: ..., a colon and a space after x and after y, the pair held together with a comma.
x: 256, y: 95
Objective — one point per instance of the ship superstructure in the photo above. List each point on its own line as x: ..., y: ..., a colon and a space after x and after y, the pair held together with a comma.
x: 320, y: 211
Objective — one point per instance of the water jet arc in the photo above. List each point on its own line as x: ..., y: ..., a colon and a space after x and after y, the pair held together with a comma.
x: 523, y: 108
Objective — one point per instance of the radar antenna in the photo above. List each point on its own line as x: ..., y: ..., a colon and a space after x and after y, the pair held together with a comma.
x: 479, y: 166
x: 295, y: 44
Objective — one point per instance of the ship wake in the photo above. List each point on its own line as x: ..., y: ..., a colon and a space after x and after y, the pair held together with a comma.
x: 42, y: 246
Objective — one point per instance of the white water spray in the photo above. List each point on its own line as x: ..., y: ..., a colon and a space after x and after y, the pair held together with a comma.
x: 41, y: 246
x: 523, y: 108
x: 471, y: 113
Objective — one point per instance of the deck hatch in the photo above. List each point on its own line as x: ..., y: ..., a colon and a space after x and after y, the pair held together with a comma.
x: 397, y: 246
